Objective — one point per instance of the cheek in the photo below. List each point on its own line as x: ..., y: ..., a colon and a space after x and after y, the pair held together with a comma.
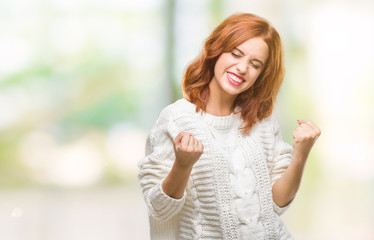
x: 253, y: 79
x: 256, y: 75
x: 223, y: 63
x: 218, y: 69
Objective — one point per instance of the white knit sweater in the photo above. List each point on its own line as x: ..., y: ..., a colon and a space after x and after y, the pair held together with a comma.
x: 229, y: 192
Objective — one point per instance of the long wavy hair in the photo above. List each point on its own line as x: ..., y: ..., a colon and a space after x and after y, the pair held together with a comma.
x: 257, y: 102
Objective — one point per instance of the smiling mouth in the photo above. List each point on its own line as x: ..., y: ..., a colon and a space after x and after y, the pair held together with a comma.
x: 235, y: 79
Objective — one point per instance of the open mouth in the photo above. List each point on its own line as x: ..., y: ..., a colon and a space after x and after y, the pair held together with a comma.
x: 235, y: 79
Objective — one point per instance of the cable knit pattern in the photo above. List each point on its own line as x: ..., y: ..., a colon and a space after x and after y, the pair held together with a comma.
x: 228, y: 195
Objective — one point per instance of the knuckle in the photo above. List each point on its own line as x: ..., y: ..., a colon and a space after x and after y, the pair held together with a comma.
x: 185, y: 148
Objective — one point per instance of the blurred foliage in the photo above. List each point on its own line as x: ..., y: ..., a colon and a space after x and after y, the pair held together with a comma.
x: 13, y: 173
x: 70, y: 94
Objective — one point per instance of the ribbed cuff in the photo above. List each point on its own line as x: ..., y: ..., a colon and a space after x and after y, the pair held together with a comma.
x: 281, y: 210
x: 163, y: 206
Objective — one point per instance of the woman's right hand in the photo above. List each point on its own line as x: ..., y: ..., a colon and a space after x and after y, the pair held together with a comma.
x: 187, y: 150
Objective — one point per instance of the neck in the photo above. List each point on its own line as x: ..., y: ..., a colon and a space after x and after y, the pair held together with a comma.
x: 220, y: 104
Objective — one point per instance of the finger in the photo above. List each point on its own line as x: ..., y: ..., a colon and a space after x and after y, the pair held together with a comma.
x: 196, y: 144
x: 314, y: 127
x: 305, y: 134
x: 185, y: 140
x: 300, y: 122
x: 299, y: 132
x: 179, y: 137
x: 177, y: 140
x: 200, y: 147
x: 304, y: 127
x: 296, y: 138
x: 191, y: 140
x: 301, y: 129
x: 191, y: 145
x: 296, y: 134
x: 309, y: 127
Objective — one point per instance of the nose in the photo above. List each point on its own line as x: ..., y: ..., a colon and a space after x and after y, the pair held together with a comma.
x: 242, y: 67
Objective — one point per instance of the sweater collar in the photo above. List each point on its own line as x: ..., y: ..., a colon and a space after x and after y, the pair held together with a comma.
x: 219, y: 122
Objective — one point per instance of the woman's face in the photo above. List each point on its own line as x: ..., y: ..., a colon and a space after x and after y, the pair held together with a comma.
x: 237, y: 71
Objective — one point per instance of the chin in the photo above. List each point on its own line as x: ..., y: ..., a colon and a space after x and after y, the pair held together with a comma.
x: 234, y: 93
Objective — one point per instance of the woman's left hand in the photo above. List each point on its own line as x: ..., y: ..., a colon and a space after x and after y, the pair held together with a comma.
x: 305, y: 136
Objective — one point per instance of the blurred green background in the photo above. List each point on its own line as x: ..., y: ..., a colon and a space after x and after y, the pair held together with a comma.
x: 82, y: 82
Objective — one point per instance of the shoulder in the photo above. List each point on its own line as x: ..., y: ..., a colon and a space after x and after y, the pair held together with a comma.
x: 176, y: 109
x: 272, y: 119
x: 172, y: 116
x: 266, y: 125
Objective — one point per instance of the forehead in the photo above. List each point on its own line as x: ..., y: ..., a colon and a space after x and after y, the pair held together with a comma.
x: 255, y: 48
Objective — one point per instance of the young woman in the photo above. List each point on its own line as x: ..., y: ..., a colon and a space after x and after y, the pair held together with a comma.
x: 216, y: 166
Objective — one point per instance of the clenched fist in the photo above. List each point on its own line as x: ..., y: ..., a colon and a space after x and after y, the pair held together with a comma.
x: 305, y: 136
x: 187, y: 150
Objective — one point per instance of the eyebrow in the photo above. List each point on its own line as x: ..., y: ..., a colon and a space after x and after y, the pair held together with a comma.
x: 255, y: 59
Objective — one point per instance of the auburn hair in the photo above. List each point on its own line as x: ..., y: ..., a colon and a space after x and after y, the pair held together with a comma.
x: 257, y: 102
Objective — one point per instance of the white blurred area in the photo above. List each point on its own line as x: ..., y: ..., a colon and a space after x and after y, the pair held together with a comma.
x: 341, y: 50
x: 77, y: 164
x: 80, y: 163
x: 330, y: 80
x: 106, y: 213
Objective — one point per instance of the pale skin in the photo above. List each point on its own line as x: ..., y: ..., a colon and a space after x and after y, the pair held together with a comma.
x: 246, y: 61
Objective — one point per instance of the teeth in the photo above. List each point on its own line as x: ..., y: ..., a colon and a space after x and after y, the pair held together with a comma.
x: 235, y: 78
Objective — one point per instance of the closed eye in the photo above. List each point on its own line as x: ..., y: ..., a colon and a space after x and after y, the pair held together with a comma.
x: 254, y: 65
x: 235, y: 54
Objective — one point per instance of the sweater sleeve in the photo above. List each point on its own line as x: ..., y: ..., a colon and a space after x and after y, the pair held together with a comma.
x: 153, y: 169
x: 281, y: 160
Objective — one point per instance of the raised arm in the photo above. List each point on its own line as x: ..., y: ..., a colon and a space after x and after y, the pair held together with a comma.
x: 164, y: 172
x: 187, y: 151
x: 286, y: 187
